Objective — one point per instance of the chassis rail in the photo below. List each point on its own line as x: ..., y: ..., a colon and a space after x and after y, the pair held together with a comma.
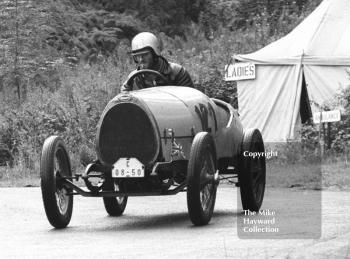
x: 84, y: 193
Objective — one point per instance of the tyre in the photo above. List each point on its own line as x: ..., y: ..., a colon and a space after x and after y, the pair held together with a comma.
x: 201, y: 179
x: 114, y: 206
x: 252, y: 171
x: 54, y: 165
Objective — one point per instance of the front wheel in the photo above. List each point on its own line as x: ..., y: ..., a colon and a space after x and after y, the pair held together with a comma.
x: 55, y: 165
x: 252, y: 173
x: 202, y: 179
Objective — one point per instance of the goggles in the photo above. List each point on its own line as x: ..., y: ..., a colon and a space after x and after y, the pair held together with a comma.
x: 138, y: 56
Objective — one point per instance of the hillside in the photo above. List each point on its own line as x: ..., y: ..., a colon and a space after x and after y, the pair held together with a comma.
x: 64, y: 59
x: 83, y: 29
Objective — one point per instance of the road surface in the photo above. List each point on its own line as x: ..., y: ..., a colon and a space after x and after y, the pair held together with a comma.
x: 159, y: 227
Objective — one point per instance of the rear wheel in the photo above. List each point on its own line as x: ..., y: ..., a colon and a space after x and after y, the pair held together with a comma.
x: 114, y: 206
x: 55, y: 165
x: 252, y: 173
x: 201, y: 179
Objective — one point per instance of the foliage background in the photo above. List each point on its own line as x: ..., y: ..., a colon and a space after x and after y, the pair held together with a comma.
x: 63, y: 60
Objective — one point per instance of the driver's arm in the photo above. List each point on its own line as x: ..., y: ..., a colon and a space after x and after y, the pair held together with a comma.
x: 127, y: 87
x: 183, y: 78
x: 179, y: 76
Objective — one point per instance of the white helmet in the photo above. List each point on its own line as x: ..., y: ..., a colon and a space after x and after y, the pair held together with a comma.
x: 144, y: 40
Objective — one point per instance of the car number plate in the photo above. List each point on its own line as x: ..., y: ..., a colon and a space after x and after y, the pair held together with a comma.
x: 128, y: 167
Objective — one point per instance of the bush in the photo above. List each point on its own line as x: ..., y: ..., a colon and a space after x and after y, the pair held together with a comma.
x: 71, y: 111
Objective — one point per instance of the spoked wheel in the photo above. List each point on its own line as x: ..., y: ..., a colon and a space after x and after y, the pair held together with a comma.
x: 252, y: 173
x: 114, y: 206
x: 54, y: 165
x: 201, y: 179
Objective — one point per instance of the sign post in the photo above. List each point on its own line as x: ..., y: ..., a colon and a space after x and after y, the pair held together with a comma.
x: 320, y: 139
x: 329, y: 142
x: 322, y: 117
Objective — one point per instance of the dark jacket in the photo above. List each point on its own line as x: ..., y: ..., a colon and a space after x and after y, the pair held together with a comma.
x: 174, y: 73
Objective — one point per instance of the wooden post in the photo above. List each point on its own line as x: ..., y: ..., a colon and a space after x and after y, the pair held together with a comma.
x: 329, y: 141
x: 320, y: 135
x: 324, y: 135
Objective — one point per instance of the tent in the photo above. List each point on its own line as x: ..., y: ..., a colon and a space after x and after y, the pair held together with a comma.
x: 307, y: 66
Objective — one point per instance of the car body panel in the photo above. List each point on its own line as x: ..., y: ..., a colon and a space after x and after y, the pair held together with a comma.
x: 178, y: 114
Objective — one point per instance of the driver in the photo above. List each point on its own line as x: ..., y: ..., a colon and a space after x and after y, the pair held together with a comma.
x: 146, y: 52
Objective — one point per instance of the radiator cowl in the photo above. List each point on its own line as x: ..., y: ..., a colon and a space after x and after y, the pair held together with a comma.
x: 127, y: 129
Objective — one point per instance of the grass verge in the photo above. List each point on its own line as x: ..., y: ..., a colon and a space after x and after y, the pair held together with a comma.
x: 331, y: 174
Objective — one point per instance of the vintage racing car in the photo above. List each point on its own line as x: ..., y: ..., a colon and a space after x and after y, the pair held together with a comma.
x: 158, y: 141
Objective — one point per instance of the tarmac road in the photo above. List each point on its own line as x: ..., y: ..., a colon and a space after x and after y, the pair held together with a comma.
x: 159, y: 227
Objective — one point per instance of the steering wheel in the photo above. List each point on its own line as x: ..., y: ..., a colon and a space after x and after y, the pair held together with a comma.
x: 145, y: 71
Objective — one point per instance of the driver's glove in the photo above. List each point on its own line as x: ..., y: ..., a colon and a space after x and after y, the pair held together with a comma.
x: 125, y: 88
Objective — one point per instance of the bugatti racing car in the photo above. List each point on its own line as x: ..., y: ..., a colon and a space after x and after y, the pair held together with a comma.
x: 158, y: 141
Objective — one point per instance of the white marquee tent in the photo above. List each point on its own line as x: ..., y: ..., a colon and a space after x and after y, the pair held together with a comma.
x: 310, y: 63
